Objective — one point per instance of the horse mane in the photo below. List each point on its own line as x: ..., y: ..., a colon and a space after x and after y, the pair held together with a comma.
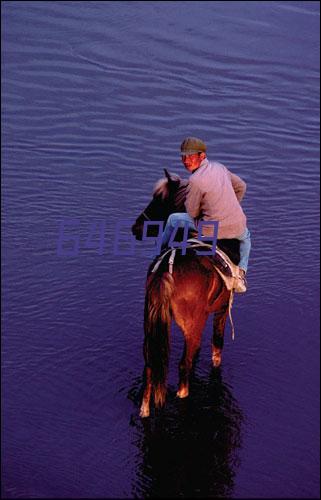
x: 161, y: 189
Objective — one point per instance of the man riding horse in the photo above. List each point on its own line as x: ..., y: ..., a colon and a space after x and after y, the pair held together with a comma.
x: 213, y: 194
x: 189, y: 286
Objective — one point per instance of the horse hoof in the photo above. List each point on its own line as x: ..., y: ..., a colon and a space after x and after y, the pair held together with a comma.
x: 217, y: 360
x: 144, y: 412
x: 182, y: 393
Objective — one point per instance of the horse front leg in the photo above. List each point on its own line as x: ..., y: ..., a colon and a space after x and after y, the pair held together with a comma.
x: 218, y: 335
x: 145, y: 406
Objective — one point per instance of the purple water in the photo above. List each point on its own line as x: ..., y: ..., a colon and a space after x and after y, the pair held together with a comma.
x: 97, y: 97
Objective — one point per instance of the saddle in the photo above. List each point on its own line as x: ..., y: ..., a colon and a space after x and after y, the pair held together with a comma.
x: 226, y: 265
x: 230, y: 247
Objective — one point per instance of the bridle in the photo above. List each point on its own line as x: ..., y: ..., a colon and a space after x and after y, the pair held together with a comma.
x: 145, y: 216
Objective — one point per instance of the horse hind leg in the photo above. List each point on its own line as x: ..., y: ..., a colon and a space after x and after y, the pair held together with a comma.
x: 190, y: 350
x: 218, y: 335
x: 144, y: 409
x: 193, y: 335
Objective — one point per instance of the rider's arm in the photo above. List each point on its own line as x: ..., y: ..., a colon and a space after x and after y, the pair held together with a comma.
x: 239, y: 186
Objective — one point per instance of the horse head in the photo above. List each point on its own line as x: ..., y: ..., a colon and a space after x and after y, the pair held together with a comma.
x: 168, y: 196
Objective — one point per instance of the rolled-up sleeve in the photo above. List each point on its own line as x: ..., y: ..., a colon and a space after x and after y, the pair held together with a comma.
x: 239, y: 186
x: 193, y: 200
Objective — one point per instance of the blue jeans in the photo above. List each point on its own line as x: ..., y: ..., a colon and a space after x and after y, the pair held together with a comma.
x: 180, y: 218
x: 183, y: 218
x: 245, y: 248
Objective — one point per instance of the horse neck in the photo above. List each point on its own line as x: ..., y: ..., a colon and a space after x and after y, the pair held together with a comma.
x: 178, y: 199
x: 180, y: 196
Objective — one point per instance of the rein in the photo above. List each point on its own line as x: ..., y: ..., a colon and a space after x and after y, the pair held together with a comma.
x: 146, y: 216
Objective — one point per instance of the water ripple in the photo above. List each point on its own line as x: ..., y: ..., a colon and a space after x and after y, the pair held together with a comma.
x: 97, y: 97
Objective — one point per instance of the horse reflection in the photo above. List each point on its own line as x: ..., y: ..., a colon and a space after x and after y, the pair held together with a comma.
x: 191, y: 449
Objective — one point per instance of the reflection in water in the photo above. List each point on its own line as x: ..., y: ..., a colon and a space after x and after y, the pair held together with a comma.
x: 190, y: 447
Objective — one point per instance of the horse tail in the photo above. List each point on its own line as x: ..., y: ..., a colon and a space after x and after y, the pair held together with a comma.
x: 159, y: 290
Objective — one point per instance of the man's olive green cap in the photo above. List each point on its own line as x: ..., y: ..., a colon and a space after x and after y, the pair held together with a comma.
x: 192, y: 145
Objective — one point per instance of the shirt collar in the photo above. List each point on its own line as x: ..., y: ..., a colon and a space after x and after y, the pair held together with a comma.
x: 204, y: 163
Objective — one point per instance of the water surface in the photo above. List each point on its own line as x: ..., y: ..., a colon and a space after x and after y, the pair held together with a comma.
x: 97, y: 97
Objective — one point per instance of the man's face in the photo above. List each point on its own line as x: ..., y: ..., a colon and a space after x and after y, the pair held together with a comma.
x: 193, y: 161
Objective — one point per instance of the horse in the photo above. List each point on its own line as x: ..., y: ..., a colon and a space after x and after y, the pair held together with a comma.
x: 193, y: 291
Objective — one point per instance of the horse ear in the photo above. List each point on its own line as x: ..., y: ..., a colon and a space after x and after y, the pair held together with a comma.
x: 168, y: 175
